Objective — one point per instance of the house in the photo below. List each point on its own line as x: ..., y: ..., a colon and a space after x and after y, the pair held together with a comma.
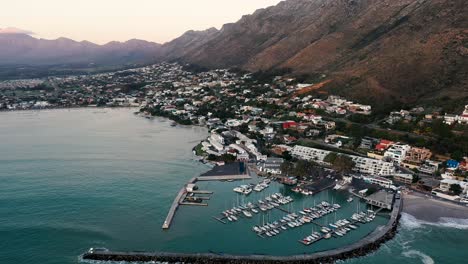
x: 367, y: 143
x: 429, y: 167
x: 397, y: 152
x: 289, y: 124
x: 383, y: 145
x: 418, y: 155
x: 452, y: 164
x: 450, y: 119
x: 446, y: 183
x: 415, y: 157
x: 405, y: 178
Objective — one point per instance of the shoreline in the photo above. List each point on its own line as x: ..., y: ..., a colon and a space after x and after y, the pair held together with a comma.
x: 432, y: 210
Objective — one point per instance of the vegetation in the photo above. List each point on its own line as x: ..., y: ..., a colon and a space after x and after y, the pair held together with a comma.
x: 340, y: 163
x: 456, y: 189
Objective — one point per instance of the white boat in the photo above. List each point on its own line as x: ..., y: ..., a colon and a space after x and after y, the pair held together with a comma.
x: 255, y: 211
x: 238, y: 190
x: 247, y: 213
x: 234, y: 217
x: 350, y: 199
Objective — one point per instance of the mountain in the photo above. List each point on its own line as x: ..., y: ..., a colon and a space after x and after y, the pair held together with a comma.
x: 18, y: 48
x: 399, y: 50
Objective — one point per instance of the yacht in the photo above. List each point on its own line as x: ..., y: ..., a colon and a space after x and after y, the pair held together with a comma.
x: 238, y: 190
x: 247, y: 213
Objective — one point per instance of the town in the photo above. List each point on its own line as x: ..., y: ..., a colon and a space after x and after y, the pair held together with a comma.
x: 283, y: 126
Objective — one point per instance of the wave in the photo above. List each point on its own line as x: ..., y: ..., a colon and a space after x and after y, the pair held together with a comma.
x: 410, y: 222
x: 416, y: 253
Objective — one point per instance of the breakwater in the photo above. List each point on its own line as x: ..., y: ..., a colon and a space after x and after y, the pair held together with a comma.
x: 362, y: 247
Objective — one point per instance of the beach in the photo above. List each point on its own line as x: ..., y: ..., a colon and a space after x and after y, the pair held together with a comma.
x: 432, y: 210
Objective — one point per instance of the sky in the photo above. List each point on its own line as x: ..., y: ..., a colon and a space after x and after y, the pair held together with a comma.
x: 101, y: 21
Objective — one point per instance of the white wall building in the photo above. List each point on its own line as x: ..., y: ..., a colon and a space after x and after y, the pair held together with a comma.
x: 362, y: 164
x: 397, y: 152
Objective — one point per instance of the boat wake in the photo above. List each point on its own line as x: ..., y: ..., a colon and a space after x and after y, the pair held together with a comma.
x: 418, y: 254
x: 410, y: 222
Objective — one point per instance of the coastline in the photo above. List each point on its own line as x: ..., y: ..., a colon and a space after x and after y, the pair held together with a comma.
x: 432, y: 210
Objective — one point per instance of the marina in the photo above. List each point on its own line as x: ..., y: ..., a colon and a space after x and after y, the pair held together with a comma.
x: 363, y: 246
x: 186, y: 195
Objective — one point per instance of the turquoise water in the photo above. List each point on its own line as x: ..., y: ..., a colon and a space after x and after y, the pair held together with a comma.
x: 74, y: 179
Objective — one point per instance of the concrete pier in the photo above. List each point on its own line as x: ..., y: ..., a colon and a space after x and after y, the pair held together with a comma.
x: 224, y: 177
x: 172, y: 210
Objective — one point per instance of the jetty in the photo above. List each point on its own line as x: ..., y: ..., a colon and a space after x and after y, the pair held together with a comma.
x: 174, y: 206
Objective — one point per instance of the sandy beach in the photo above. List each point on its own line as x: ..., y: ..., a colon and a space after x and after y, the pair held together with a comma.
x: 431, y: 210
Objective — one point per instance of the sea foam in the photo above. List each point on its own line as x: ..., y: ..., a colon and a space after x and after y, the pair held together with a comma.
x: 410, y: 222
x: 416, y: 253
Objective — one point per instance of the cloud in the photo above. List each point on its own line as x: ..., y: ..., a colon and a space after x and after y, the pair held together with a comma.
x: 12, y: 30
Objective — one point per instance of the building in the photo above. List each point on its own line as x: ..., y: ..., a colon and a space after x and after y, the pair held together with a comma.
x: 418, y: 154
x: 367, y: 143
x: 384, y: 182
x: 271, y: 165
x: 397, y: 152
x: 383, y: 145
x: 362, y: 164
x: 405, y: 178
x: 429, y: 167
x: 452, y: 164
x: 446, y: 183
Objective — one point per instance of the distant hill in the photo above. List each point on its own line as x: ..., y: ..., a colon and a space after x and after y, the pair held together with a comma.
x: 388, y: 50
x: 18, y: 49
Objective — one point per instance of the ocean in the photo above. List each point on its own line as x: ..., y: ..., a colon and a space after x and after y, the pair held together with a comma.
x: 80, y: 178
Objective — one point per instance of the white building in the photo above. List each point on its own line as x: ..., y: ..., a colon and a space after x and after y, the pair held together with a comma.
x: 397, y: 152
x: 362, y: 164
x: 446, y: 183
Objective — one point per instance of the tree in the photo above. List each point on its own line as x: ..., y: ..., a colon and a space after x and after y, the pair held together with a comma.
x: 343, y: 164
x: 456, y: 189
x: 416, y: 178
x: 287, y: 156
x: 286, y: 167
x: 340, y: 163
x: 331, y: 157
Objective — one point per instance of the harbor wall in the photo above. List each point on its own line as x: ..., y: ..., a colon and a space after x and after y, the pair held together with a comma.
x: 362, y: 247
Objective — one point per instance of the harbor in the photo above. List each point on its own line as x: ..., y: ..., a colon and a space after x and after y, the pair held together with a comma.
x: 366, y: 244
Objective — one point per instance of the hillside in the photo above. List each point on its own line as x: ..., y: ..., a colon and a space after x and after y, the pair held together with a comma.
x: 389, y: 50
